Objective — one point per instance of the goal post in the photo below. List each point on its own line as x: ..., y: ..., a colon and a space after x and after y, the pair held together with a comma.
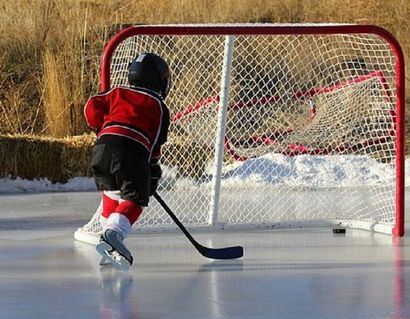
x: 275, y: 125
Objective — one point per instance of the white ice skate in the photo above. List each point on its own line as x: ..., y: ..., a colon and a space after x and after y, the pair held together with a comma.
x: 113, y: 250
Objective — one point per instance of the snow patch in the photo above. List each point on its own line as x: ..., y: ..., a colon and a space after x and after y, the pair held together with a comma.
x: 272, y: 169
x: 19, y: 185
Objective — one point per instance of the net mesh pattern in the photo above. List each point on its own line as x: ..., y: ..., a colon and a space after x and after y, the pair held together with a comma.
x: 310, y: 132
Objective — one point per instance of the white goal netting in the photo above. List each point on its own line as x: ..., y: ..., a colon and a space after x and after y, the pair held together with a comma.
x: 310, y: 130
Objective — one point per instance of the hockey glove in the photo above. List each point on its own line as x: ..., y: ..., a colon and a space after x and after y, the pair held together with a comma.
x: 156, y: 173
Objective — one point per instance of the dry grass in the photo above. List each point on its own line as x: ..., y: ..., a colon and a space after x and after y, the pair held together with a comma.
x: 59, y: 159
x: 34, y: 157
x: 51, y: 48
x: 55, y: 105
x: 50, y: 51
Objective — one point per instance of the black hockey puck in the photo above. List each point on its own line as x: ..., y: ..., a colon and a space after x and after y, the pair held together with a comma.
x: 339, y: 230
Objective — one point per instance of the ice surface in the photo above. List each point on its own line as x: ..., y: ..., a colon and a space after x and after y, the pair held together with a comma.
x: 306, y: 274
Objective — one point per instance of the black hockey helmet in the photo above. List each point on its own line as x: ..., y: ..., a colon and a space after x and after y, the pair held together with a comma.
x: 150, y: 71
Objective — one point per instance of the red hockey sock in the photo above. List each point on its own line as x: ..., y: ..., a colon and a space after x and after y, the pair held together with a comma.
x: 110, y: 203
x: 130, y: 210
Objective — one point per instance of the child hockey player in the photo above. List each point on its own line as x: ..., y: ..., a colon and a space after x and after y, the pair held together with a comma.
x: 131, y: 125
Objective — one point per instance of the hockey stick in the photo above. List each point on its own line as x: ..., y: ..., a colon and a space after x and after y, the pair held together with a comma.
x: 214, y: 253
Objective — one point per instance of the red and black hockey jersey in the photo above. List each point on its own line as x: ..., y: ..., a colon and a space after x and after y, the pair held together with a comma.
x: 137, y: 114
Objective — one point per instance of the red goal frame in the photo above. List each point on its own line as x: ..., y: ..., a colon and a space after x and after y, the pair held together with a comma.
x: 289, y: 29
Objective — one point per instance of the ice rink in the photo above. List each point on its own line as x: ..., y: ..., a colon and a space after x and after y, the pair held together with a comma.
x: 293, y: 274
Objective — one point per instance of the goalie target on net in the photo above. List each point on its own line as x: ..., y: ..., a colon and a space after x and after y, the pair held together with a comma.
x: 259, y: 113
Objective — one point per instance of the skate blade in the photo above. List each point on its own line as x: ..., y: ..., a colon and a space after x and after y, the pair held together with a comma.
x: 104, y: 261
x: 110, y: 256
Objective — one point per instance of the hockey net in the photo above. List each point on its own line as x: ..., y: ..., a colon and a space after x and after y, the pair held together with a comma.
x: 313, y: 130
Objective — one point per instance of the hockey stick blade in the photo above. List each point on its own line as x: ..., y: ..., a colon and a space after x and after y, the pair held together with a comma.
x: 221, y: 253
x: 213, y: 253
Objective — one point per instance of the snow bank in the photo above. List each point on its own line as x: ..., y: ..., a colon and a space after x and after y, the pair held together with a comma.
x: 308, y: 171
x: 275, y: 169
x: 8, y: 185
